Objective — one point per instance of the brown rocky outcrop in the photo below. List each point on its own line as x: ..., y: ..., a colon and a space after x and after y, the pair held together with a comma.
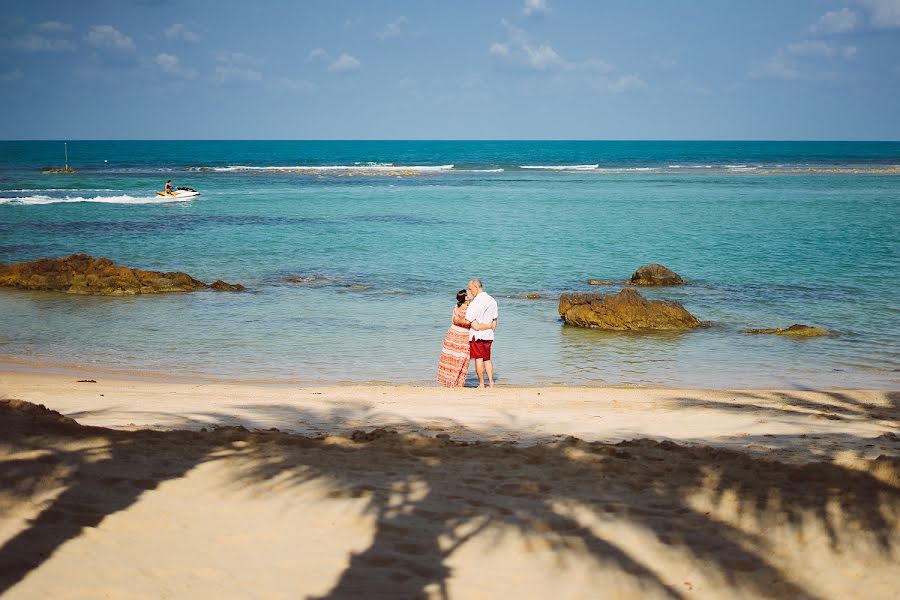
x: 655, y: 274
x: 795, y: 330
x: 84, y: 274
x: 625, y: 311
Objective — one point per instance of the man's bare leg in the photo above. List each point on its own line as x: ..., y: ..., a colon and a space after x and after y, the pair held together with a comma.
x: 489, y: 368
x: 479, y: 368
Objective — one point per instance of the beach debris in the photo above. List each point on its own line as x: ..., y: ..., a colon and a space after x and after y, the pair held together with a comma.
x: 796, y: 330
x: 655, y: 274
x: 625, y: 311
x: 600, y: 282
x: 86, y: 381
x: 85, y: 275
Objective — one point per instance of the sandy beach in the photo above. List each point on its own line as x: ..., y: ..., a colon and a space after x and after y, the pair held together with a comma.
x: 142, y: 488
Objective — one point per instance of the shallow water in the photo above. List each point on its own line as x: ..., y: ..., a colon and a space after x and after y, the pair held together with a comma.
x: 383, y: 255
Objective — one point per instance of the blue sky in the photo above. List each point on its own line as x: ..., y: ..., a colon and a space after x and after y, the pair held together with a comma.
x: 503, y: 69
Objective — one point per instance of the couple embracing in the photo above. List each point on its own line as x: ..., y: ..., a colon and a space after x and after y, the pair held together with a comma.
x: 470, y: 336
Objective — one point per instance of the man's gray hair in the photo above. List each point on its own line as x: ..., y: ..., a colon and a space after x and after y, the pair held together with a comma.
x: 477, y: 282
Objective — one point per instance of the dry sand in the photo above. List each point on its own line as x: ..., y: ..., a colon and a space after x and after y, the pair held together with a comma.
x: 177, y: 490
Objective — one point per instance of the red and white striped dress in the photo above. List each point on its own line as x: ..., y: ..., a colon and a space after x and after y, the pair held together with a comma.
x: 454, y: 363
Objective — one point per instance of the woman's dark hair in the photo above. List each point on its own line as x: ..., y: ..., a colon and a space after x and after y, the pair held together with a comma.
x: 461, y: 297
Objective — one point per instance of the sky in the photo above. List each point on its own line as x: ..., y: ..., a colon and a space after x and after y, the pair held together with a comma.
x: 428, y: 69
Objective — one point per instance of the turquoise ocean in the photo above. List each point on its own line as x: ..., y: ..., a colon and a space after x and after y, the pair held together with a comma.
x: 353, y: 251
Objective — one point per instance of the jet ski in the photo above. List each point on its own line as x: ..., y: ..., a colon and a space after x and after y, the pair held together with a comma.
x: 180, y: 192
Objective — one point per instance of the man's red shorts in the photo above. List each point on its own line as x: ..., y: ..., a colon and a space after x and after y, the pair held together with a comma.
x: 480, y: 349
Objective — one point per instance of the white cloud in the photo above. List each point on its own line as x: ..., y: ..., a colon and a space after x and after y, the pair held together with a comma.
x: 107, y: 36
x: 836, y: 21
x: 393, y: 28
x: 317, y: 54
x: 543, y: 57
x: 32, y: 42
x: 344, y: 63
x: 883, y: 14
x: 803, y: 60
x: 533, y: 7
x: 181, y: 33
x: 53, y: 27
x: 775, y: 68
x: 298, y: 86
x: 627, y: 83
x: 519, y: 49
x: 11, y: 76
x: 169, y: 63
x: 811, y: 48
x: 499, y: 49
x: 235, y: 67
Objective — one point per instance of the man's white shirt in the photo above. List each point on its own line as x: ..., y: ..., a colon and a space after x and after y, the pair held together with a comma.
x: 482, y: 309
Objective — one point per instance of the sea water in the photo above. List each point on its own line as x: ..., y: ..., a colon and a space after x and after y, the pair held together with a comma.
x: 353, y: 251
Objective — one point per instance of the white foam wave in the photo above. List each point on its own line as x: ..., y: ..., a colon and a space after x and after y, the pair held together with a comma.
x: 561, y: 167
x: 377, y: 167
x: 479, y: 170
x: 124, y: 199
x: 39, y: 190
x: 628, y: 170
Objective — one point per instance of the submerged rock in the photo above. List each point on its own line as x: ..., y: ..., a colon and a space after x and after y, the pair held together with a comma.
x: 310, y: 280
x: 84, y: 274
x: 795, y: 330
x: 625, y: 311
x: 600, y: 282
x: 533, y: 296
x: 655, y: 274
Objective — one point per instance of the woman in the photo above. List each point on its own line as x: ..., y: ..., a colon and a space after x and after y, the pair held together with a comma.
x: 454, y: 363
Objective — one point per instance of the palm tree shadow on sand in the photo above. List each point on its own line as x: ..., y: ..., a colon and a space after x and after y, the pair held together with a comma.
x: 429, y: 497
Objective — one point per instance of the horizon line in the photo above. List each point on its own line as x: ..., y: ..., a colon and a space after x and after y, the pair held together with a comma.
x: 198, y: 139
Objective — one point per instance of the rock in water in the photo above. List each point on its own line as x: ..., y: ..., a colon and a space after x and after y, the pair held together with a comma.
x: 795, y: 330
x: 227, y: 287
x: 84, y: 274
x: 655, y: 274
x: 625, y: 311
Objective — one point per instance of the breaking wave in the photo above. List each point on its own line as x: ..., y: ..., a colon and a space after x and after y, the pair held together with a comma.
x: 561, y: 167
x: 362, y: 168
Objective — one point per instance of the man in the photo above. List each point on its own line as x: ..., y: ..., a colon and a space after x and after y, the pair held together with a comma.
x: 483, y: 311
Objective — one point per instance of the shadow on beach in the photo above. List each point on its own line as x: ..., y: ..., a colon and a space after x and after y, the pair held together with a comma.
x: 725, y: 513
